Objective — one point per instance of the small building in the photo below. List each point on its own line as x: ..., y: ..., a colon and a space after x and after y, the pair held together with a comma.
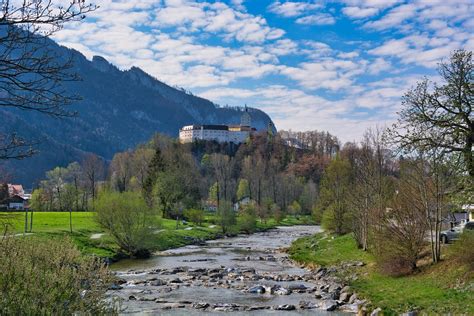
x: 210, y: 206
x: 456, y: 219
x: 242, y: 202
x: 469, y: 209
x: 17, y: 203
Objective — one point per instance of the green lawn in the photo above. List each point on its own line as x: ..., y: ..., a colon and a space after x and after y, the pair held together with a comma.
x: 56, y: 224
x: 434, y: 290
x: 52, y: 221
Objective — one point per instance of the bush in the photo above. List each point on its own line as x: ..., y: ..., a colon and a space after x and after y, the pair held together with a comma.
x: 332, y: 223
x: 462, y: 251
x: 248, y: 219
x: 225, y: 216
x: 277, y: 212
x: 195, y: 216
x: 50, y: 277
x: 129, y: 221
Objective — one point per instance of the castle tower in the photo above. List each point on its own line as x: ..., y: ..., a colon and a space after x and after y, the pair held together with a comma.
x: 246, y: 120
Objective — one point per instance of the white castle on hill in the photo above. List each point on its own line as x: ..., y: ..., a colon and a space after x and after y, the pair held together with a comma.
x: 221, y: 133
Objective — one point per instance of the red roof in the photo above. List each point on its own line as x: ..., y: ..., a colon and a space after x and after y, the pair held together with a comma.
x: 15, y: 189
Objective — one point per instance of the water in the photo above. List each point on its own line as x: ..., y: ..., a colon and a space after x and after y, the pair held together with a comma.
x: 259, y: 251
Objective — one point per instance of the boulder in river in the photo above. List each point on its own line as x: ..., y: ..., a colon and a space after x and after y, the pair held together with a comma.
x: 298, y: 287
x: 329, y: 305
x: 307, y: 305
x: 158, y: 282
x: 257, y: 289
x: 200, y: 305
x: 282, y: 291
x: 285, y: 307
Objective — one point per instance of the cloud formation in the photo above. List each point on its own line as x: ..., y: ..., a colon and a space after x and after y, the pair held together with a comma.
x: 336, y: 65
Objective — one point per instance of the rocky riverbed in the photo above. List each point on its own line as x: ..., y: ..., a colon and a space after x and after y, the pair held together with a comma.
x: 240, y: 275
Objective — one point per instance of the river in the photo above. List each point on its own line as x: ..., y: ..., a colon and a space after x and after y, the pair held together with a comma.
x: 243, y: 274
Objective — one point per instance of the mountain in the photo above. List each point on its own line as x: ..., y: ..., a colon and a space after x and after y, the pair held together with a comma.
x: 119, y: 109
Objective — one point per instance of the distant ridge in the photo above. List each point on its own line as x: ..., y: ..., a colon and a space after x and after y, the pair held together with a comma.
x: 119, y: 109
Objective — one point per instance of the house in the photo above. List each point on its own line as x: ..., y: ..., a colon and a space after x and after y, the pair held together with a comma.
x: 456, y: 219
x: 469, y: 209
x: 17, y: 203
x: 17, y: 198
x: 210, y: 206
x: 242, y: 202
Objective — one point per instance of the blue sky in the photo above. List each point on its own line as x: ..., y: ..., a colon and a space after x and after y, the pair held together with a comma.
x: 340, y: 66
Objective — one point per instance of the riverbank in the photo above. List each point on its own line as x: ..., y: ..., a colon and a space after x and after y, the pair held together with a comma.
x: 246, y: 273
x: 92, y: 240
x: 436, y: 289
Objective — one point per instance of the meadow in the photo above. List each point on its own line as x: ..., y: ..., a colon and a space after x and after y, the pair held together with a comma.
x: 91, y: 239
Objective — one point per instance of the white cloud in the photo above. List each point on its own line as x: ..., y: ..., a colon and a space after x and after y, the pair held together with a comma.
x: 292, y: 8
x: 317, y: 19
x: 217, y: 47
x: 327, y: 73
x: 359, y: 13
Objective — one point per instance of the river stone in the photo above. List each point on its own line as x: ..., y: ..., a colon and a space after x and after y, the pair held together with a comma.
x: 257, y: 289
x: 172, y: 306
x: 329, y: 305
x: 161, y: 301
x: 177, y: 270
x: 353, y: 298
x: 176, y: 280
x: 268, y: 289
x: 256, y: 308
x: 282, y: 291
x: 200, y: 305
x: 226, y: 307
x: 318, y: 294
x: 115, y: 287
x: 158, y: 282
x: 344, y: 297
x: 285, y: 307
x: 132, y: 298
x: 297, y: 287
x: 307, y: 305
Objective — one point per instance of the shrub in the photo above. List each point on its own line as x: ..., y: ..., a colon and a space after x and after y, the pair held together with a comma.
x: 277, y: 212
x: 331, y: 222
x: 129, y: 221
x: 50, y: 277
x: 248, y: 219
x: 225, y: 216
x: 462, y: 251
x: 196, y: 216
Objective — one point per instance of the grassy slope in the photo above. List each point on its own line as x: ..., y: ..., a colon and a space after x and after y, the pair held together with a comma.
x: 432, y: 290
x: 56, y: 224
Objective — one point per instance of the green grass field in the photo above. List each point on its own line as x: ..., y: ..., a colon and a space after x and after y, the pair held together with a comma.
x: 51, y: 221
x: 84, y: 226
x: 436, y: 289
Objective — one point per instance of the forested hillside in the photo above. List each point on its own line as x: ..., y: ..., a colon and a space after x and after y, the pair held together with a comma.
x: 116, y: 111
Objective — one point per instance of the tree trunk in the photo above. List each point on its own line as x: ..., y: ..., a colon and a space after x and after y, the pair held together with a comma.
x: 31, y: 221
x: 26, y: 220
x: 70, y: 220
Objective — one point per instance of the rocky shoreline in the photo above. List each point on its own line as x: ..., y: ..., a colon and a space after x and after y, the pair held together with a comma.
x: 320, y: 289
